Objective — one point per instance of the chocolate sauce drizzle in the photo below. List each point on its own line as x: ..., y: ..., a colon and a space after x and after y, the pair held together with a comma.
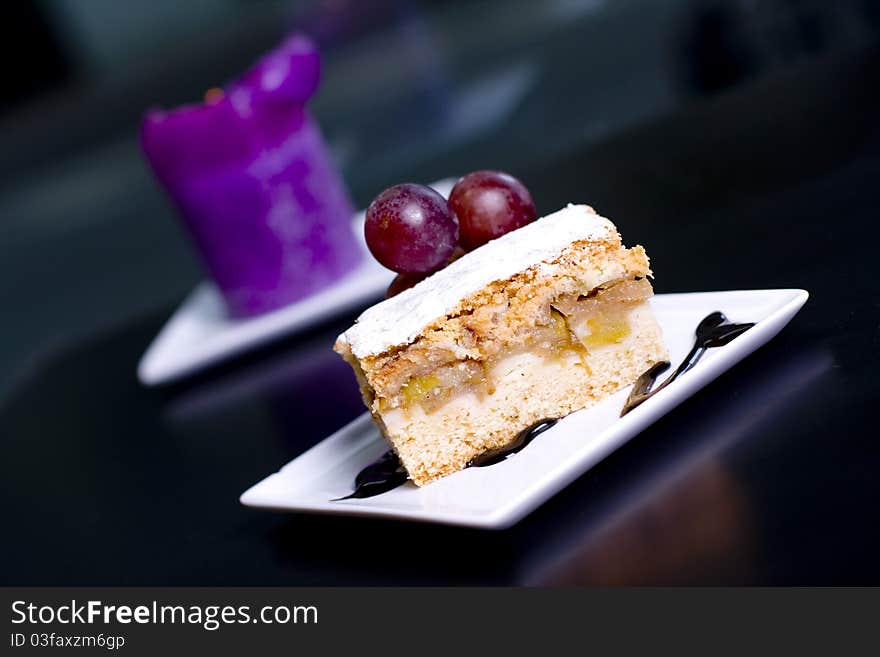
x: 387, y: 473
x: 379, y: 477
x: 522, y: 439
x: 714, y: 331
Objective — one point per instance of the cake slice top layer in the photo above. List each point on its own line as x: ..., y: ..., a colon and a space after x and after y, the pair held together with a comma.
x: 399, y: 320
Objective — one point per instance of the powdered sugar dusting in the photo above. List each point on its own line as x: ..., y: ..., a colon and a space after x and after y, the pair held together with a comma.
x: 400, y: 319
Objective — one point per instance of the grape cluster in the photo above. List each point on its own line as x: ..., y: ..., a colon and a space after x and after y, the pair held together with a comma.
x: 413, y: 230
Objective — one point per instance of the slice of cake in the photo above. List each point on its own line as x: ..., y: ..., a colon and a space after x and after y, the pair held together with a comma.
x: 545, y: 320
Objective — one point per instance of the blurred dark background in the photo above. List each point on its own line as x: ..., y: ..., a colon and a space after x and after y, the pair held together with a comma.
x: 412, y: 90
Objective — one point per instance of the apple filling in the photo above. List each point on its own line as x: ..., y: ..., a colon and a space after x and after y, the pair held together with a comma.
x: 571, y: 325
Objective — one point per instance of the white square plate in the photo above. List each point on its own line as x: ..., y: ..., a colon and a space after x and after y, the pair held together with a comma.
x: 498, y: 496
x: 200, y: 333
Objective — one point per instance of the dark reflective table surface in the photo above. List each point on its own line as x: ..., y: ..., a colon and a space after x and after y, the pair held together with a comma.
x: 767, y: 476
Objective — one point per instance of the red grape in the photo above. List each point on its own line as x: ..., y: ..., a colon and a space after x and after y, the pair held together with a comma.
x: 410, y: 229
x: 489, y: 204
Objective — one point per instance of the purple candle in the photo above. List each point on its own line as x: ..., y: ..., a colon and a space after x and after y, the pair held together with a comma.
x: 251, y: 177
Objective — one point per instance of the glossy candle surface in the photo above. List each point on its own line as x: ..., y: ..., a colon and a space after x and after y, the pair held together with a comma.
x: 250, y: 174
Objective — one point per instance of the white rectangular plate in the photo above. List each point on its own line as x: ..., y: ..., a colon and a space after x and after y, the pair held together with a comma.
x: 498, y: 496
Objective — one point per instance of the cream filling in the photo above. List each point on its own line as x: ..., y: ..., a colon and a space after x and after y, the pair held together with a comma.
x: 471, y: 402
x: 573, y: 328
